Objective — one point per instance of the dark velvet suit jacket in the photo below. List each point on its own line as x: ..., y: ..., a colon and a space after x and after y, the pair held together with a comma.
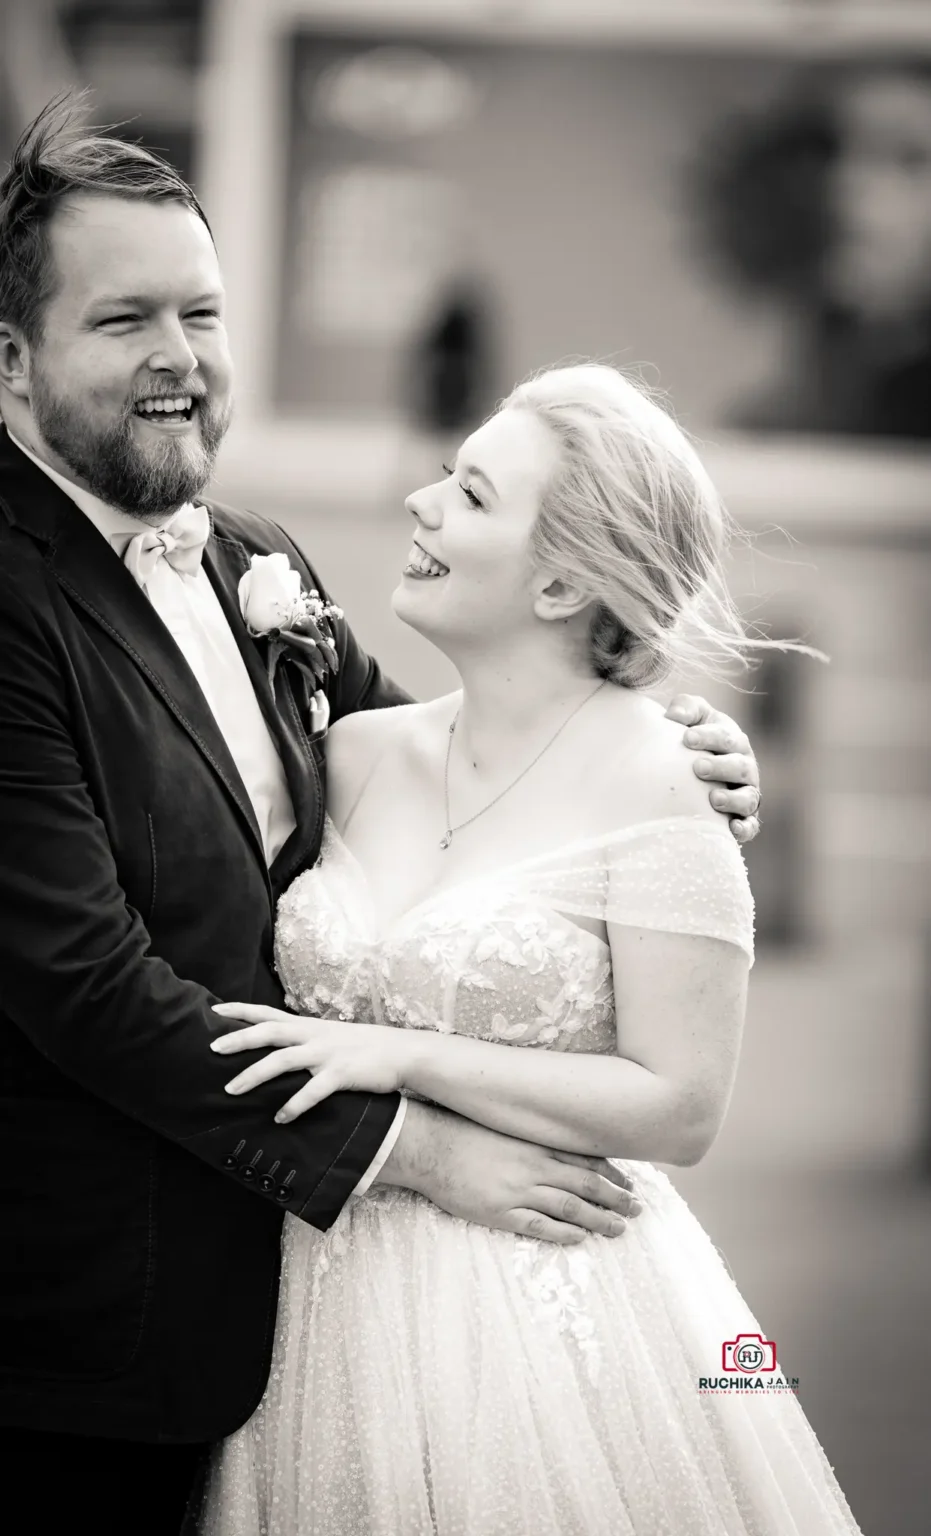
x: 141, y: 1205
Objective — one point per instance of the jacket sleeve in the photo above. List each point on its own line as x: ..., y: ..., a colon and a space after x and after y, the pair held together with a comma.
x: 360, y: 682
x: 78, y: 979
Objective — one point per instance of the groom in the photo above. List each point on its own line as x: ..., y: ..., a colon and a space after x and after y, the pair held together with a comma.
x: 157, y: 794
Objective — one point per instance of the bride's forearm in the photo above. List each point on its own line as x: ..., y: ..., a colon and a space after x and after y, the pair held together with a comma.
x: 603, y: 1106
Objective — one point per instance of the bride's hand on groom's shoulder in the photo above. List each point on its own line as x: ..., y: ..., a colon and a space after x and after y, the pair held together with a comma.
x: 341, y: 1055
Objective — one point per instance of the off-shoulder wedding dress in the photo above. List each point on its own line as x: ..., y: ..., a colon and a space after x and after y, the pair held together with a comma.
x: 431, y: 1376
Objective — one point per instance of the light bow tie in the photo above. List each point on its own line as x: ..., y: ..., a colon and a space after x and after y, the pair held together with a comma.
x: 181, y: 542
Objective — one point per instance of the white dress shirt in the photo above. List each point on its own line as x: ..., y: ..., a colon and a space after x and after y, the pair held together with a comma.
x: 191, y: 612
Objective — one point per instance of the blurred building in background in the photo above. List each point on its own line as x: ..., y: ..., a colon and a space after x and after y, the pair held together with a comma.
x: 415, y: 205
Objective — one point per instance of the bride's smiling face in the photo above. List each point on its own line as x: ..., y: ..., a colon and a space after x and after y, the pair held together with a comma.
x: 469, y: 574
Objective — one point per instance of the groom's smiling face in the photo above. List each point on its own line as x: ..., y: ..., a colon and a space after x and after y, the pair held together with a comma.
x: 130, y: 383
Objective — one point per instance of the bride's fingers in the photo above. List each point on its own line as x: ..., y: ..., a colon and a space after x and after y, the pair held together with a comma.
x: 252, y: 1013
x: 240, y: 1040
x: 294, y: 1058
x: 320, y: 1087
x: 257, y: 1036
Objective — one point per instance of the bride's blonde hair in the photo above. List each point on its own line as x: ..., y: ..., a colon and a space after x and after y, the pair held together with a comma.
x: 632, y: 517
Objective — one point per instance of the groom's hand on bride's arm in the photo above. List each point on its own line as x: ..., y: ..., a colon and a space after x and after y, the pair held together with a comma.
x: 726, y: 764
x: 508, y: 1185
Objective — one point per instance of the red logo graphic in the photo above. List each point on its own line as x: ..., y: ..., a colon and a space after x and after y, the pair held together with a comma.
x: 750, y: 1353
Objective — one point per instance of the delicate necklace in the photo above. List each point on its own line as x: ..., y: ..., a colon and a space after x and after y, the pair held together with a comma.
x: 450, y: 829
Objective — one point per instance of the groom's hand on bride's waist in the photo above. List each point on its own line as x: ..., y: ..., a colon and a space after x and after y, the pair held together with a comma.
x: 513, y: 1186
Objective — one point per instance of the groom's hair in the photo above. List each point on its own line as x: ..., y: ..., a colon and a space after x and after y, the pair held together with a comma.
x: 57, y: 155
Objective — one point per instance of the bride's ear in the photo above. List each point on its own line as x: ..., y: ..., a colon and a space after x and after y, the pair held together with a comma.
x: 555, y: 597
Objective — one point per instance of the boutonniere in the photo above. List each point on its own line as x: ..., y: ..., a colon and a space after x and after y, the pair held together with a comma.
x: 293, y: 621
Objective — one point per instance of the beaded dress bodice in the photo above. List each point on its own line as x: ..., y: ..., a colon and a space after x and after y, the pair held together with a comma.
x: 501, y: 957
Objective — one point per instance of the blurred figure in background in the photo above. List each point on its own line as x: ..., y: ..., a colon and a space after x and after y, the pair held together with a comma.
x: 823, y: 203
x: 451, y: 361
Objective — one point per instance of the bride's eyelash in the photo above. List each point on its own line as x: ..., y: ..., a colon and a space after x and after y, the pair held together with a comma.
x: 469, y: 494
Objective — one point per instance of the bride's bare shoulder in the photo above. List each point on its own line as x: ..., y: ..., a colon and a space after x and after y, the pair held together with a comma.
x: 372, y: 729
x: 645, y: 768
x: 357, y: 741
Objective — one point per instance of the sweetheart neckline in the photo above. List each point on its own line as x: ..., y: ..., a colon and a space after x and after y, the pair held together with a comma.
x: 493, y: 876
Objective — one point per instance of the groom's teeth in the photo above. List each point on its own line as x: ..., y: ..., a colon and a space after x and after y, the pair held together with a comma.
x: 161, y: 405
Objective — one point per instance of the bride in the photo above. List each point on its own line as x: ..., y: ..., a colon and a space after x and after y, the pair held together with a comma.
x: 526, y: 911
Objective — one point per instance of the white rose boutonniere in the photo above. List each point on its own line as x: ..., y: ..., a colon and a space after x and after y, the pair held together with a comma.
x: 270, y: 594
x: 292, y: 621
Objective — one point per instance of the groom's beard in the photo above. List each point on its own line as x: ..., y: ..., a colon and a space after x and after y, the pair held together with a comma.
x: 111, y: 463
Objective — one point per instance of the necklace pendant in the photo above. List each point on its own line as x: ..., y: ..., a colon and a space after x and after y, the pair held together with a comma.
x: 445, y: 842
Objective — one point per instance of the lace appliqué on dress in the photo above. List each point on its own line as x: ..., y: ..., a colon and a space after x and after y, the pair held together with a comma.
x: 555, y: 1281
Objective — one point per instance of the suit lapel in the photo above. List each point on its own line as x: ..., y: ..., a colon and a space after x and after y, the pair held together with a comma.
x: 225, y: 561
x: 89, y: 570
x: 91, y: 573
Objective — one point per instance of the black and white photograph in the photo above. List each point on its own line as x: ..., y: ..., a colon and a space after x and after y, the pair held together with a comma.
x: 465, y: 939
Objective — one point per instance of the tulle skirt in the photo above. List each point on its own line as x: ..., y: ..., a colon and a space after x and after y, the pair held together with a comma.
x: 433, y: 1378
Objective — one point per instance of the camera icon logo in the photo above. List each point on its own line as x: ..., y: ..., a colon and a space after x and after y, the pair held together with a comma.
x: 749, y: 1353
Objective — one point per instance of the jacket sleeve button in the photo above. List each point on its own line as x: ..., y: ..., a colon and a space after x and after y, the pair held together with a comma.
x: 283, y: 1193
x: 266, y: 1184
x: 248, y: 1173
x: 230, y: 1163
